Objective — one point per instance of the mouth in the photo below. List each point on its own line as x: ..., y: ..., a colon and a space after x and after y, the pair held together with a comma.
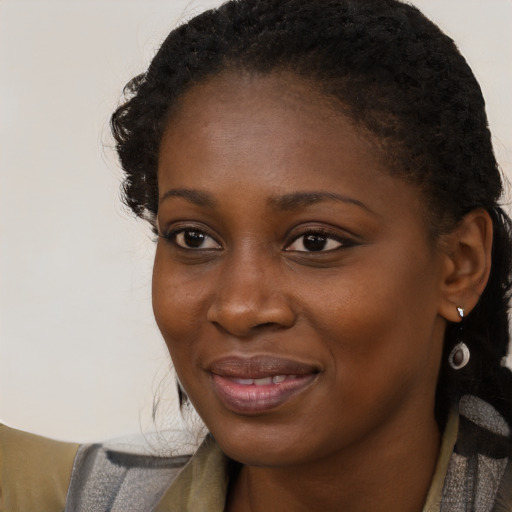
x: 259, y: 384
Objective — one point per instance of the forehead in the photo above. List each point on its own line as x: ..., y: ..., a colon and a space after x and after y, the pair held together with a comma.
x: 239, y: 114
x: 255, y: 89
x: 245, y: 137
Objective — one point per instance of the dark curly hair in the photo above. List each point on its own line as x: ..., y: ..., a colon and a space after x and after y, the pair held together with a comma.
x: 398, y: 77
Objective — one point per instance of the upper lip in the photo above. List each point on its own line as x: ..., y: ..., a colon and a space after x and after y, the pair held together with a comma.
x: 258, y: 367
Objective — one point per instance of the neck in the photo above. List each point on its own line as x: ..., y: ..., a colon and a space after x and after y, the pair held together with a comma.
x: 390, y: 470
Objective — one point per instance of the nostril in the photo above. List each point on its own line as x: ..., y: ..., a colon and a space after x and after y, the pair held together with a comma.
x: 245, y: 331
x: 267, y: 325
x: 220, y: 327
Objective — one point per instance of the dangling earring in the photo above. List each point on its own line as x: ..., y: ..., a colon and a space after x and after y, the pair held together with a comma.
x: 459, y: 356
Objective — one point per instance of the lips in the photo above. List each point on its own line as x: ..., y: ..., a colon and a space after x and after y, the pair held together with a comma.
x: 259, y: 384
x: 258, y: 367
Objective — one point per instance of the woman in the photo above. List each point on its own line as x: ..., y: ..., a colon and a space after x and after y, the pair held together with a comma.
x: 332, y: 272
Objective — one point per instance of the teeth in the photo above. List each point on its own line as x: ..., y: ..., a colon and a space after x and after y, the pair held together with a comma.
x: 263, y: 382
x: 245, y: 382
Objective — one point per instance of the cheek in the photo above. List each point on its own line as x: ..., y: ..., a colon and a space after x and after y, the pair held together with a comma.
x: 380, y: 319
x: 178, y: 302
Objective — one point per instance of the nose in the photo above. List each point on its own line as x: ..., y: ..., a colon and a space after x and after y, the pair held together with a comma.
x: 250, y: 298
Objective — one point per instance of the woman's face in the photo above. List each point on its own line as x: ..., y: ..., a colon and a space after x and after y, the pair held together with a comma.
x: 294, y: 282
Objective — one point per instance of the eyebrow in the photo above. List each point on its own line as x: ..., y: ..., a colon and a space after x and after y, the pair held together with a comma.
x: 197, y: 197
x: 286, y: 202
x: 299, y: 200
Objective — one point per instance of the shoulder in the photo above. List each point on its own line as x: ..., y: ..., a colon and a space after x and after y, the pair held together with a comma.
x: 41, y: 474
x: 504, y: 497
x: 34, y: 471
x: 480, y: 470
x: 104, y: 477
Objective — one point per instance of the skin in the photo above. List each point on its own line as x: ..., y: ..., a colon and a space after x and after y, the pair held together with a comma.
x: 369, y: 312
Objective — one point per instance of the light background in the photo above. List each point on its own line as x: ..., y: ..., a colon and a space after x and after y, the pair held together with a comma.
x: 80, y: 355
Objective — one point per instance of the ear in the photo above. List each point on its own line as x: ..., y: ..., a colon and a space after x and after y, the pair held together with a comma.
x: 467, y: 264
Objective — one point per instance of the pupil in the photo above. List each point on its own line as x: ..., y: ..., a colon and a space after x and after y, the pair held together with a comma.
x: 194, y: 238
x: 314, y: 242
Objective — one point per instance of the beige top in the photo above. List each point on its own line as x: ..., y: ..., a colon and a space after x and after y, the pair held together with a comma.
x: 35, y: 474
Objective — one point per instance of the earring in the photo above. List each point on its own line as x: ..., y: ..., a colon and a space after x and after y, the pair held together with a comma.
x: 459, y: 356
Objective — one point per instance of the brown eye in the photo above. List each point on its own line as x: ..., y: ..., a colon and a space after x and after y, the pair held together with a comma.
x: 195, y: 239
x: 314, y: 242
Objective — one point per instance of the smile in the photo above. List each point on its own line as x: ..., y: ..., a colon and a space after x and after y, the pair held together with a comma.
x: 276, y: 379
x: 257, y: 385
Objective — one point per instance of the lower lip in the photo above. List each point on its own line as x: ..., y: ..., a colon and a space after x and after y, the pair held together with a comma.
x: 253, y: 399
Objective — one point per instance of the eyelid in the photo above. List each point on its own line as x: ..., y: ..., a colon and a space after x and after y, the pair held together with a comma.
x: 344, y: 241
x: 170, y: 236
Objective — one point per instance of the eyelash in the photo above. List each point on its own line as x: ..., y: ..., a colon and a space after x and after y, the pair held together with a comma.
x: 173, y: 235
x: 343, y: 242
x: 327, y: 236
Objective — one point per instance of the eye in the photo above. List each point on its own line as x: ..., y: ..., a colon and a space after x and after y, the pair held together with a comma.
x: 193, y: 239
x: 317, y: 242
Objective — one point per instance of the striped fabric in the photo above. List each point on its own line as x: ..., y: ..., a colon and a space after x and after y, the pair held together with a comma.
x: 478, y: 477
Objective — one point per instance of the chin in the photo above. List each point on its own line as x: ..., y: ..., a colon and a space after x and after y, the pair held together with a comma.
x: 264, y: 445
